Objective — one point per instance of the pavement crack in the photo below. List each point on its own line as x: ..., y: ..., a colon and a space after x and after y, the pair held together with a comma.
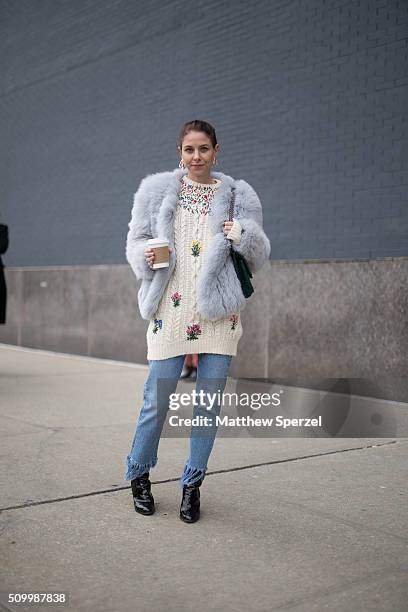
x: 226, y: 471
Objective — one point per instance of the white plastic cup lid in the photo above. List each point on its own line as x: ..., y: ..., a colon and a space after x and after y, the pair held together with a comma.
x: 158, y: 242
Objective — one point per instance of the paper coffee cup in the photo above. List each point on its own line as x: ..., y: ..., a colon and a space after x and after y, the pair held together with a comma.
x: 160, y: 247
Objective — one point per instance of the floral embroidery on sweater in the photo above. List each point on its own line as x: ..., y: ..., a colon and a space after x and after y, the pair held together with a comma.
x: 196, y: 198
x: 176, y: 298
x: 195, y: 248
x: 158, y: 324
x: 234, y: 320
x: 193, y: 331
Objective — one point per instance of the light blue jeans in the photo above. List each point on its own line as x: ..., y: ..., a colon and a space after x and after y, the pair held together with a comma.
x: 212, y: 373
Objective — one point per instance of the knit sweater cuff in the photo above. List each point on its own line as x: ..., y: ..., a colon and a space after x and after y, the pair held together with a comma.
x: 235, y: 232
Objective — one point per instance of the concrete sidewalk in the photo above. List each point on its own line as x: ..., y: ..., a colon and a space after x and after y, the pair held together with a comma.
x: 286, y: 524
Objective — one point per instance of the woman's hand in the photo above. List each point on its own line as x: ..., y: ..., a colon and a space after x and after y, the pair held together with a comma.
x: 149, y: 256
x: 227, y: 227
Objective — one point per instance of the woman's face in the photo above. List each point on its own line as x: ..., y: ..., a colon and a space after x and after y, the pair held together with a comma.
x: 198, y: 153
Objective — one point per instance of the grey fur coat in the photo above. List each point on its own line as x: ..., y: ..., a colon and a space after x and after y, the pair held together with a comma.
x: 219, y: 291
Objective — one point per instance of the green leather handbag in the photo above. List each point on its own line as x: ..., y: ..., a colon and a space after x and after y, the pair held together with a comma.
x: 240, y: 263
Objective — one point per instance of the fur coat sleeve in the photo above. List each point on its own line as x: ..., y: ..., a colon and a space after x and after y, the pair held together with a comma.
x: 139, y: 233
x: 254, y: 244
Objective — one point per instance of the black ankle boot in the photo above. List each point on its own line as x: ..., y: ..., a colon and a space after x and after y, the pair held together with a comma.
x: 190, y: 504
x: 186, y: 371
x: 142, y: 498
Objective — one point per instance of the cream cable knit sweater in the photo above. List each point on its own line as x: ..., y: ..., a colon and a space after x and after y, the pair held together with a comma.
x: 177, y: 328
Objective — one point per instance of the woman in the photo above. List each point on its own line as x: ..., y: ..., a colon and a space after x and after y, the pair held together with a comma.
x: 193, y: 305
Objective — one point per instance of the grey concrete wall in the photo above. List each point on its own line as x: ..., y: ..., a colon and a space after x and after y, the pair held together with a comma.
x: 307, y: 322
x: 309, y: 100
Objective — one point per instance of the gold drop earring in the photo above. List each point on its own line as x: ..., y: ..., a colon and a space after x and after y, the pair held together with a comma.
x: 215, y: 162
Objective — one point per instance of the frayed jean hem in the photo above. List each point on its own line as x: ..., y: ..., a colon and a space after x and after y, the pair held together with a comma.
x: 191, y: 476
x: 135, y: 469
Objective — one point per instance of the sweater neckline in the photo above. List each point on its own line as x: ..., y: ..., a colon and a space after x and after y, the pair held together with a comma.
x: 189, y: 181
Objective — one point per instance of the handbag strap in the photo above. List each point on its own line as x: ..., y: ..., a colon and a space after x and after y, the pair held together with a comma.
x: 232, y: 203
x: 231, y: 210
